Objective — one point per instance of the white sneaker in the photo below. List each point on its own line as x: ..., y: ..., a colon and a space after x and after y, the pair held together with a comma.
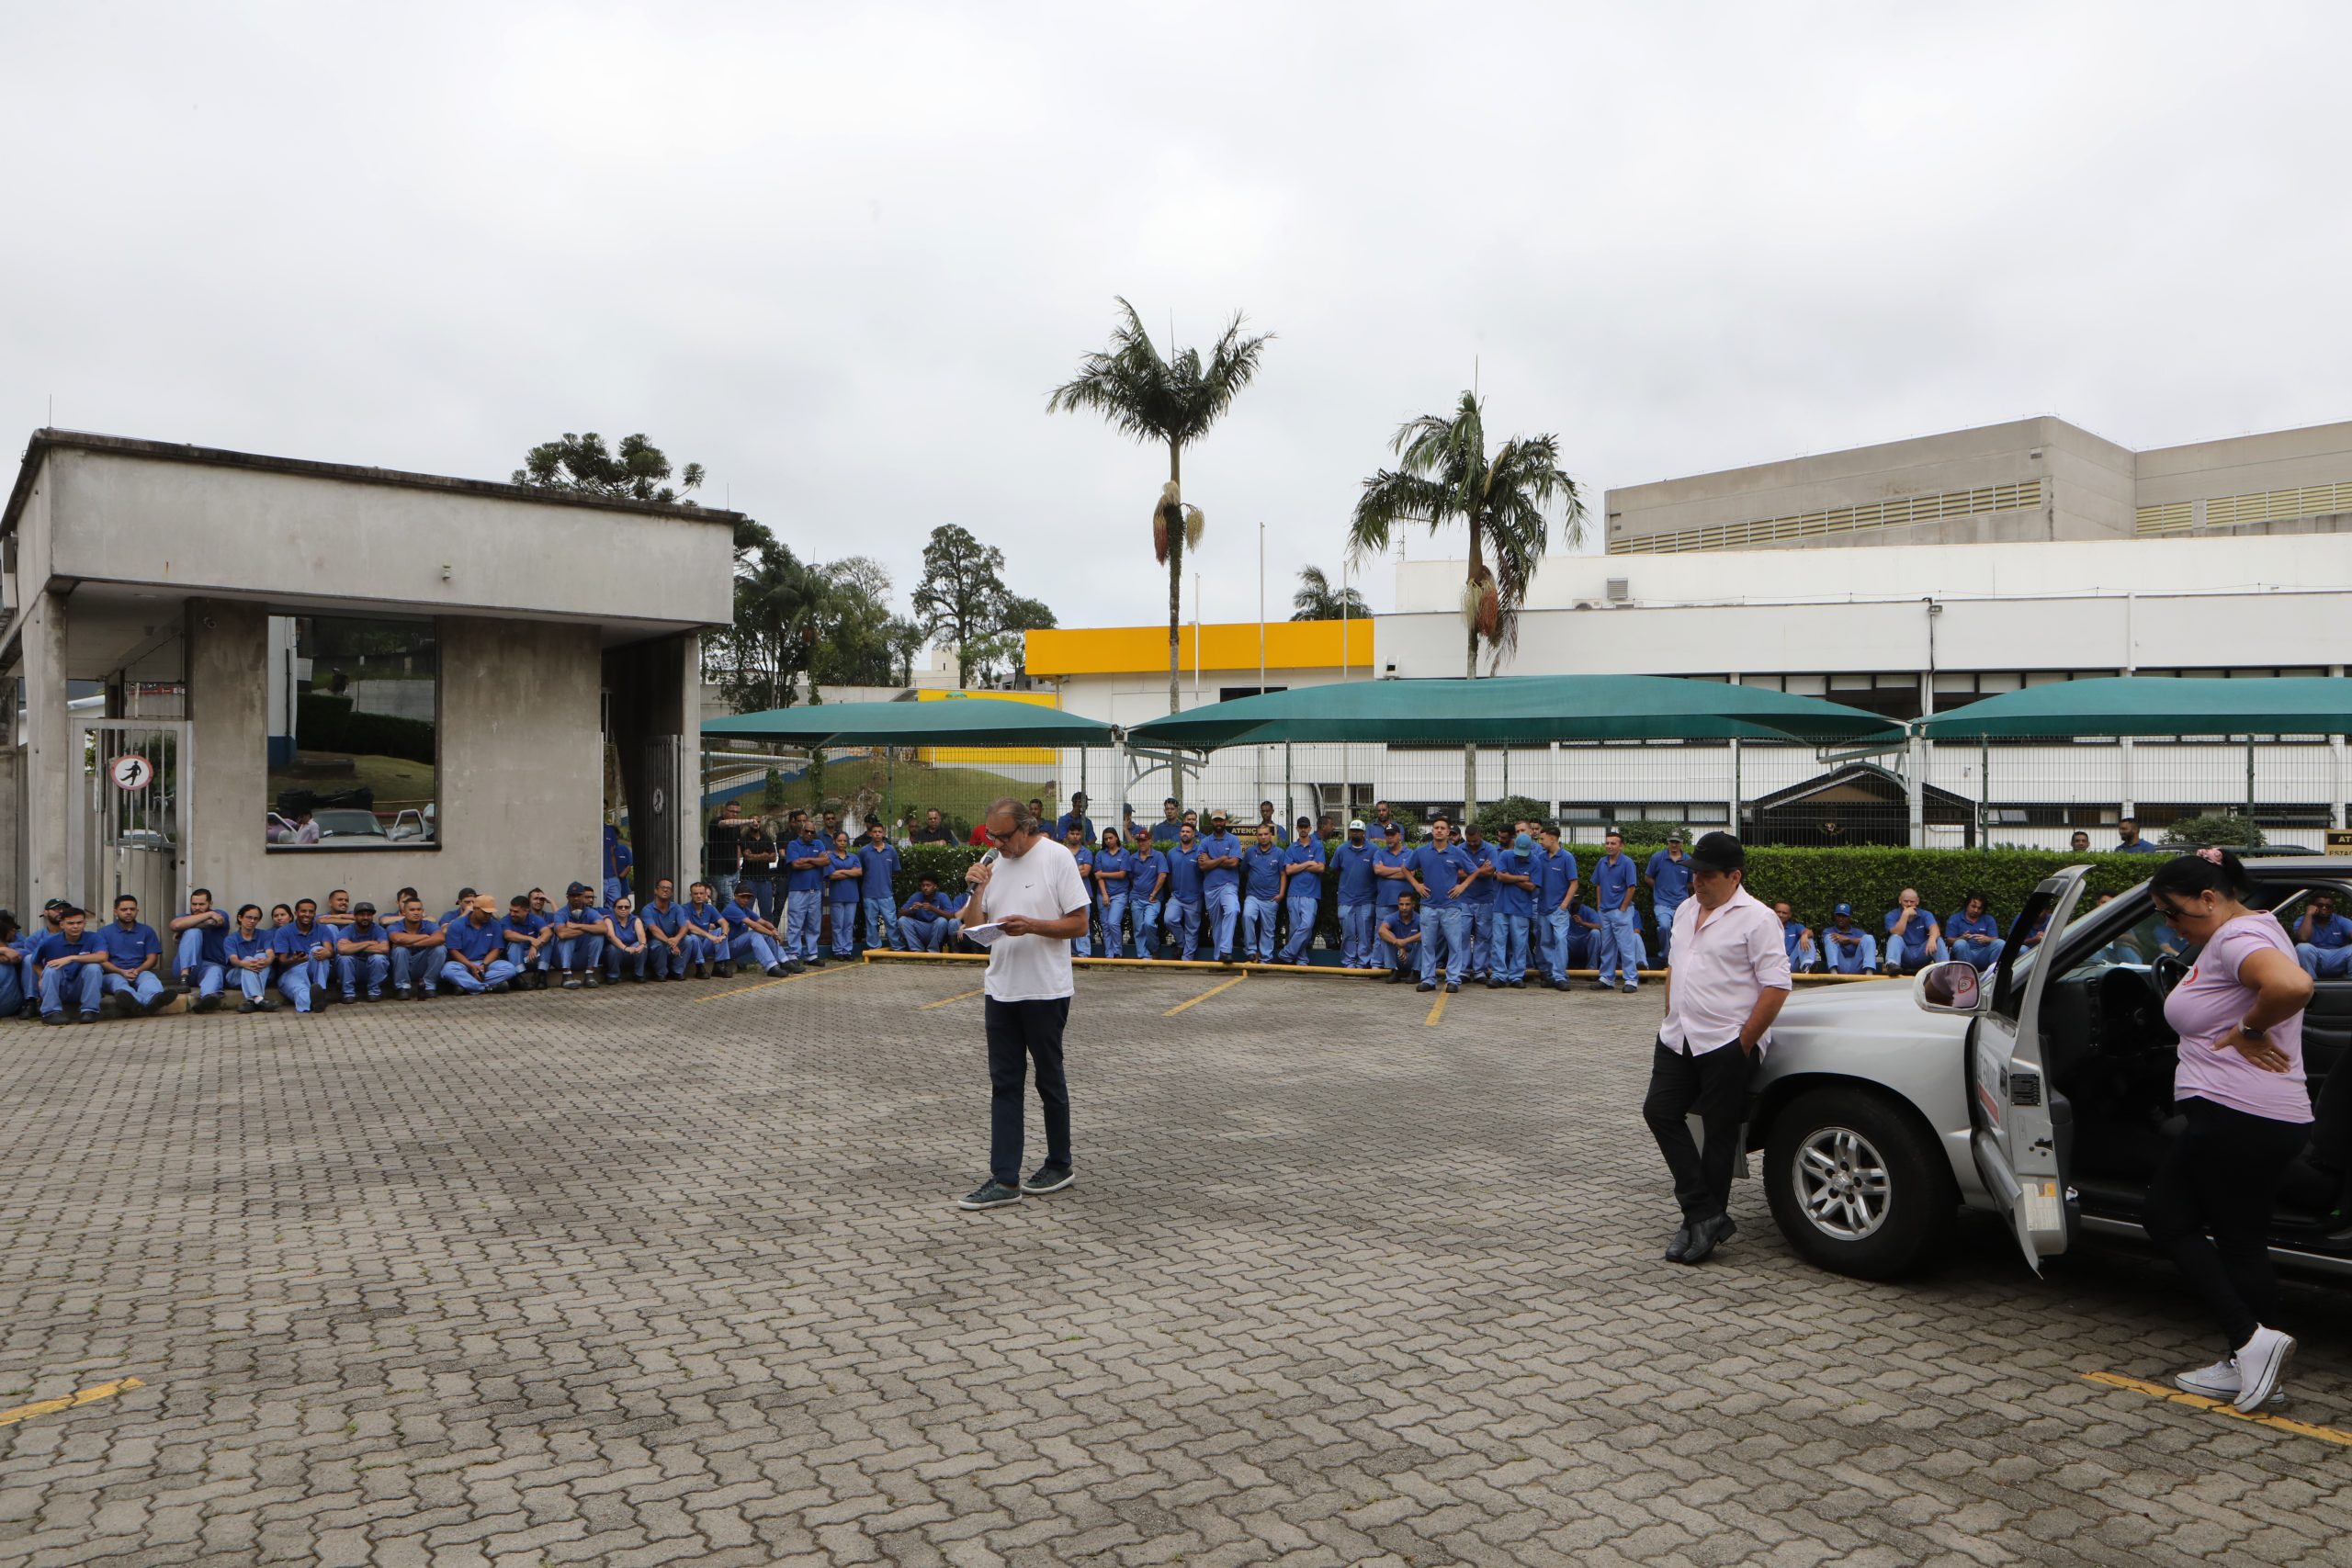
x: 2219, y: 1380
x: 2262, y: 1362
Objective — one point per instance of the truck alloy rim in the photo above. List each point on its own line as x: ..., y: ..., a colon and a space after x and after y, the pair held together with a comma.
x: 1841, y: 1183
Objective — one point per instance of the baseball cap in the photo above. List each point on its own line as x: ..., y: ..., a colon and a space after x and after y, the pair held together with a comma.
x: 1395, y: 828
x: 1676, y: 836
x: 1718, y: 851
x: 1846, y: 909
x: 1523, y: 843
x: 362, y: 908
x: 575, y: 887
x: 53, y: 904
x: 1355, y: 824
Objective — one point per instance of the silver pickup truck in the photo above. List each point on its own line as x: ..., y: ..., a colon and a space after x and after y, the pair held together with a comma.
x: 2041, y: 1091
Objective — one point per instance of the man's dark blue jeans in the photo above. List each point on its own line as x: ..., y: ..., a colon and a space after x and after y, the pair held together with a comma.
x: 1018, y: 1032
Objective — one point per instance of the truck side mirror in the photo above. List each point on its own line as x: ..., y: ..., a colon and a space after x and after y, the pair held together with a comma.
x: 1948, y: 988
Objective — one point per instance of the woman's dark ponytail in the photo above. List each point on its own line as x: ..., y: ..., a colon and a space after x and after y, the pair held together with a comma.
x: 2206, y: 871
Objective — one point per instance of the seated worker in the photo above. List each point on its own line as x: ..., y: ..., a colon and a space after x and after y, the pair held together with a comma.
x: 134, y: 953
x: 1973, y: 936
x: 1302, y: 890
x: 2324, y: 939
x: 363, y: 955
x: 2032, y: 939
x: 1074, y: 839
x: 705, y: 922
x: 1108, y: 890
x: 845, y: 877
x: 924, y: 919
x: 1515, y: 878
x: 1587, y: 938
x: 877, y: 891
x: 628, y: 946
x: 1845, y: 948
x: 336, y: 915
x: 1400, y: 938
x: 28, y: 972
x: 1261, y: 866
x: 530, y: 943
x: 1913, y: 940
x: 199, y: 957
x: 456, y: 911
x: 665, y: 932
x: 250, y: 956
x: 1147, y: 891
x: 69, y: 960
x: 13, y: 949
x: 305, y: 958
x: 416, y: 950
x: 755, y: 941
x: 1181, y: 912
x: 280, y: 917
x: 1796, y: 940
x: 475, y: 950
x: 579, y: 937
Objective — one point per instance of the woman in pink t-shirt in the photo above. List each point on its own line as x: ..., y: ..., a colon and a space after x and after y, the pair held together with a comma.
x: 2240, y: 1087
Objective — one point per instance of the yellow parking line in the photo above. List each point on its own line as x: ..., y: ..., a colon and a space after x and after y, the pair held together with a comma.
x: 1204, y: 996
x: 2221, y: 1407
x: 1437, y: 1008
x: 780, y: 980
x: 960, y: 996
x: 85, y: 1396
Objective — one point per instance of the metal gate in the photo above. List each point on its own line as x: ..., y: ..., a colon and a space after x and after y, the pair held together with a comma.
x: 127, y: 836
x: 654, y: 835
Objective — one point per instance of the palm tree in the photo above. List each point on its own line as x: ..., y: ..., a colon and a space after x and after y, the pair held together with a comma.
x: 1317, y: 600
x: 1171, y: 401
x: 1444, y: 476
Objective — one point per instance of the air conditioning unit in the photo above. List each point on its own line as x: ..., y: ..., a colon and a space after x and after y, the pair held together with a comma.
x: 1620, y: 591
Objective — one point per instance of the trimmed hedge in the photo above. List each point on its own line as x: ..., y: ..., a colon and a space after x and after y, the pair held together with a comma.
x: 1813, y: 881
x: 328, y: 723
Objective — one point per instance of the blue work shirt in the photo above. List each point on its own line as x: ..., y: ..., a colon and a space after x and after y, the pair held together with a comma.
x: 628, y: 933
x: 1263, y: 868
x: 1387, y: 890
x: 928, y: 908
x: 1960, y: 928
x: 842, y: 890
x: 1913, y: 942
x: 1145, y: 866
x: 617, y: 857
x: 1791, y: 938
x: 1085, y: 858
x: 738, y: 919
x: 1281, y: 834
x: 129, y: 949
x: 1479, y: 895
x: 1611, y: 880
x: 1441, y: 871
x: 1214, y: 846
x: 2141, y: 847
x: 1670, y: 879
x: 467, y: 940
x: 567, y: 915
x: 668, y: 921
x: 1399, y: 927
x: 216, y: 938
x: 525, y: 928
x: 1165, y: 832
x: 882, y: 868
x: 805, y: 879
x: 2332, y: 932
x: 1111, y: 866
x: 53, y: 944
x: 708, y: 916
x: 292, y: 943
x: 372, y: 932
x: 1510, y: 897
x: 1354, y: 863
x: 240, y: 947
x: 1185, y: 874
x: 1305, y: 883
x: 422, y: 928
x: 1559, y: 870
x: 1062, y: 825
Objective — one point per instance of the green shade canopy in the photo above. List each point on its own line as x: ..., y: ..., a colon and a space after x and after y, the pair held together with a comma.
x: 1516, y: 708
x: 2155, y: 705
x: 961, y: 721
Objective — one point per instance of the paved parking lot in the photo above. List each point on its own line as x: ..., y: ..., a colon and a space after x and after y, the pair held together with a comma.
x: 665, y: 1274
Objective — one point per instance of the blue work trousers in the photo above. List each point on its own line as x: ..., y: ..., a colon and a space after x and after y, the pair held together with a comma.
x: 352, y: 968
x: 1445, y: 945
x: 1143, y: 917
x: 803, y: 911
x: 80, y: 984
x: 882, y: 926
x: 1303, y: 910
x: 1183, y: 916
x: 416, y: 967
x: 1478, y: 920
x: 1624, y: 956
x: 1221, y: 911
x: 845, y: 913
x: 582, y: 953
x: 1662, y: 913
x: 1509, y: 948
x: 496, y: 972
x: 1258, y: 928
x: 1355, y: 935
x: 923, y: 936
x: 1114, y: 925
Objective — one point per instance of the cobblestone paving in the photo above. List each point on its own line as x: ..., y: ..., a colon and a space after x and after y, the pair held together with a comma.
x: 658, y: 1275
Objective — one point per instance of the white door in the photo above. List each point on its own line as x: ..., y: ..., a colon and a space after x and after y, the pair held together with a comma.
x: 2015, y: 1140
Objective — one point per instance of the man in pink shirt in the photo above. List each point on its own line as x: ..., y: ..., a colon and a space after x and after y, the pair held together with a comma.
x: 1730, y: 976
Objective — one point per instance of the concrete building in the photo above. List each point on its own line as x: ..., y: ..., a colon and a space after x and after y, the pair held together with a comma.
x: 2029, y: 480
x: 446, y: 669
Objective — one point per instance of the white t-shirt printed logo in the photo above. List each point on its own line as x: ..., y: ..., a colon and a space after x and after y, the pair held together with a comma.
x: 1042, y: 885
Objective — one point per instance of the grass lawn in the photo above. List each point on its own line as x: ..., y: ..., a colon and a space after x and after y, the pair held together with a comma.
x: 396, y: 781
x: 958, y: 790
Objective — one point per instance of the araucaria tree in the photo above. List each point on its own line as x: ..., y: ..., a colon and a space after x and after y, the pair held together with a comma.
x: 1169, y: 401
x: 1445, y: 476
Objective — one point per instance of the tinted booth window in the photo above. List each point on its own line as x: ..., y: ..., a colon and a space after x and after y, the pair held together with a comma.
x: 354, y: 732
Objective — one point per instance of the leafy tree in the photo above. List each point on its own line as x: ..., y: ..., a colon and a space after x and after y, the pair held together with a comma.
x: 1003, y: 654
x: 1165, y: 402
x: 2231, y: 830
x: 581, y: 464
x: 1317, y: 600
x: 906, y: 639
x: 961, y: 593
x: 1446, y: 475
x: 853, y: 623
x: 760, y: 662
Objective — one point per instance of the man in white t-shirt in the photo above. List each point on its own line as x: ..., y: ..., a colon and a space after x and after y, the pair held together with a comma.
x: 1030, y: 890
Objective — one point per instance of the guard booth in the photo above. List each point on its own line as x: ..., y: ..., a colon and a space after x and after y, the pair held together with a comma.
x: 314, y: 675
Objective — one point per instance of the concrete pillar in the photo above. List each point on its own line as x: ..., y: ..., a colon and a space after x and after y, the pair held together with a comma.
x: 12, y: 802
x: 52, y: 768
x: 228, y: 759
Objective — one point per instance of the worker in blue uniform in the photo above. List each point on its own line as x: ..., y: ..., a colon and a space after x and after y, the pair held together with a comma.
x: 1262, y: 895
x: 1170, y: 824
x: 1303, y: 868
x: 877, y: 889
x: 416, y: 950
x: 665, y: 934
x: 1220, y: 863
x: 806, y: 859
x: 923, y: 924
x: 1440, y: 871
x: 1846, y: 948
x: 1477, y: 904
x: 1400, y: 936
x: 1515, y: 876
x: 751, y: 940
x: 1971, y: 935
x: 2324, y: 939
x: 1614, y: 881
x: 1668, y: 879
x: 69, y: 961
x: 1796, y: 940
x: 1075, y: 816
x: 305, y: 955
x: 363, y: 955
x: 580, y: 937
x: 1555, y: 906
x: 250, y: 957
x: 1392, y: 877
x: 1181, y: 912
x: 201, y: 959
x: 530, y: 943
x: 474, y: 951
x: 1108, y: 888
x: 1358, y: 897
x: 1913, y: 938
x: 1147, y: 891
x: 134, y: 954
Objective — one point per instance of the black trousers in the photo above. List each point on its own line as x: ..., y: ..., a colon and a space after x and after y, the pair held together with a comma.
x: 2222, y: 1174
x: 1713, y: 1083
x: 1017, y: 1033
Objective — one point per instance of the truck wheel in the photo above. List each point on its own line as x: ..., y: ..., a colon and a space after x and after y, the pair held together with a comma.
x: 1857, y: 1184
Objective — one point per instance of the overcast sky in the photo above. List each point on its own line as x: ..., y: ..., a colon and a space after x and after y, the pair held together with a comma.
x: 839, y: 254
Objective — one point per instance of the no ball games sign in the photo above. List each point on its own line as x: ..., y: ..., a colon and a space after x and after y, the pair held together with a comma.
x: 131, y: 772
